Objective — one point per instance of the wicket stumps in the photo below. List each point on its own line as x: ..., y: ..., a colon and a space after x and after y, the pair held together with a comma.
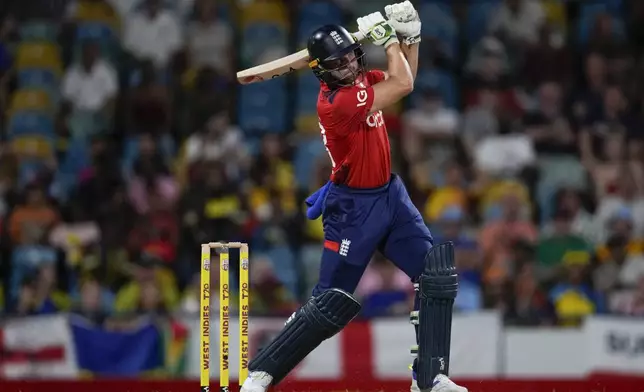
x: 224, y: 314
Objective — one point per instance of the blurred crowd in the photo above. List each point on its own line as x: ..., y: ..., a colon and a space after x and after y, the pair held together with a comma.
x: 126, y: 142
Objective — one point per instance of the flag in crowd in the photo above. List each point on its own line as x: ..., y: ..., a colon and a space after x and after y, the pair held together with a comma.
x: 65, y: 346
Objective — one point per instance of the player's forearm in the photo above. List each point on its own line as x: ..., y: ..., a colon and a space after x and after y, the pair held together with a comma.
x: 411, y: 54
x: 398, y: 67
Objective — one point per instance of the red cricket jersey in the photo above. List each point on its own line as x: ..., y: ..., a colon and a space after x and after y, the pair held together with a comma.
x: 356, y: 141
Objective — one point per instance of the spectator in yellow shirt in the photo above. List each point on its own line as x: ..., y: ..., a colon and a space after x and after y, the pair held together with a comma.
x: 451, y: 194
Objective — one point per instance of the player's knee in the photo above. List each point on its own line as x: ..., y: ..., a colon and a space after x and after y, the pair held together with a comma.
x: 439, y: 278
x: 331, y: 310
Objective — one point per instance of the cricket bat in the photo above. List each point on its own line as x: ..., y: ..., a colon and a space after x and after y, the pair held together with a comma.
x: 280, y: 67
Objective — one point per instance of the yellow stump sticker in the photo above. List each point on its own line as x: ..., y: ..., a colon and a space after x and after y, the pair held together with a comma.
x: 224, y: 322
x: 244, y: 308
x: 204, y: 318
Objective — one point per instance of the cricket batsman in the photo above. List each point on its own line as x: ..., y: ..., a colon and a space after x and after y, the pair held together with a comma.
x: 365, y: 208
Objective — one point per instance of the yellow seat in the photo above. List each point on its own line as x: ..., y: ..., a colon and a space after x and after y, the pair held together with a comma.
x: 556, y: 13
x: 39, y: 55
x: 32, y: 147
x: 30, y: 99
x: 496, y: 191
x: 102, y: 12
x: 265, y: 11
x: 307, y: 124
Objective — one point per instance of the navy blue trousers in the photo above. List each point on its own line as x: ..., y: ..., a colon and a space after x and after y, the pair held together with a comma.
x: 358, y: 222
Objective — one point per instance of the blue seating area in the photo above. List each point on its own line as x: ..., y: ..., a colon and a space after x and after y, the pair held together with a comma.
x: 439, y: 80
x: 315, y: 14
x: 262, y: 106
x: 476, y: 19
x: 439, y: 24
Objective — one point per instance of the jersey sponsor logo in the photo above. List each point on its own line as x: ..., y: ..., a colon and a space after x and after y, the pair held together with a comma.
x: 375, y: 119
x: 362, y: 96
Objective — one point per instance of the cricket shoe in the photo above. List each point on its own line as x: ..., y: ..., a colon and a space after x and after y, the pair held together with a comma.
x: 257, y: 382
x: 443, y: 384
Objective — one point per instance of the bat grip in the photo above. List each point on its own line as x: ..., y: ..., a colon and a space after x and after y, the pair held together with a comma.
x: 358, y: 36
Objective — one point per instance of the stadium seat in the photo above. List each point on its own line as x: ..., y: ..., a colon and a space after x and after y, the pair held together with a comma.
x: 594, y: 8
x: 477, y: 19
x: 77, y: 157
x: 307, y: 123
x: 37, y: 147
x: 444, y: 6
x: 556, y: 14
x: 306, y: 118
x: 262, y: 106
x: 37, y: 78
x: 366, y: 7
x: 258, y: 39
x: 30, y: 124
x: 306, y: 153
x: 321, y: 11
x: 315, y: 14
x: 308, y: 87
x: 225, y: 13
x: 273, y: 12
x: 439, y: 23
x: 437, y: 80
x: 585, y: 27
x: 38, y: 32
x: 310, y: 256
x: 96, y: 11
x: 39, y: 55
x: 40, y: 78
x: 102, y: 33
x: 98, y: 31
x: 285, y: 269
x: 30, y: 100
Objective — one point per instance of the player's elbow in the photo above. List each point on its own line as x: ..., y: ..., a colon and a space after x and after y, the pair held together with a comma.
x: 406, y: 86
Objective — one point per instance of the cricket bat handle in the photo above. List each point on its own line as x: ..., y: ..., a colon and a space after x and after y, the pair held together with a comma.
x: 358, y: 36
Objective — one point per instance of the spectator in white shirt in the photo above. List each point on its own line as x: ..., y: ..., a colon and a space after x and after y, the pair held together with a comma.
x: 430, y: 125
x: 627, y: 201
x: 92, y: 84
x: 218, y: 140
x: 430, y: 131
x: 210, y: 39
x: 153, y: 34
x: 519, y: 20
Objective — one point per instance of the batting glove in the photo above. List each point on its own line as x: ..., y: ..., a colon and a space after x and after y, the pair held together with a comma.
x: 377, y: 29
x: 404, y: 18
